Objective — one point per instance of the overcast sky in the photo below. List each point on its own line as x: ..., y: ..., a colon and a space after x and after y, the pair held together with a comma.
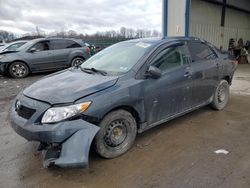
x: 83, y: 16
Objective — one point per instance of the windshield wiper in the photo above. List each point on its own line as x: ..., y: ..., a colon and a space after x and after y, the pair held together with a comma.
x: 85, y: 70
x: 104, y: 73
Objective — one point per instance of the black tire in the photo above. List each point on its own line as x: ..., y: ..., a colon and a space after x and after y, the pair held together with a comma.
x: 18, y: 69
x: 117, y: 123
x: 77, y: 61
x: 221, y: 96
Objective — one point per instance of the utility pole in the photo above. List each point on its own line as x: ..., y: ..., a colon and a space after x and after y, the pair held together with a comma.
x: 165, y: 18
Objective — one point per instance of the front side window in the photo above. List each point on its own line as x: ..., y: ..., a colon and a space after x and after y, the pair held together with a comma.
x: 201, y: 52
x: 171, y: 57
x: 42, y: 46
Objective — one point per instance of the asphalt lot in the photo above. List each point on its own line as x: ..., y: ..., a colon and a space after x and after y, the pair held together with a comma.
x: 179, y: 153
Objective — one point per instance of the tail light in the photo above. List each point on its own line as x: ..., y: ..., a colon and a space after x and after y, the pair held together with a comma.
x: 87, y: 50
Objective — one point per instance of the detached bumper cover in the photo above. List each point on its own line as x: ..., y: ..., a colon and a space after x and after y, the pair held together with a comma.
x: 75, y: 138
x: 75, y: 150
x: 3, y: 68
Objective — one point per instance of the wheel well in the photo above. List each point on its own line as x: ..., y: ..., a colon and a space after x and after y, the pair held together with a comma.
x: 17, y: 61
x: 131, y: 110
x: 228, y: 79
x: 79, y: 57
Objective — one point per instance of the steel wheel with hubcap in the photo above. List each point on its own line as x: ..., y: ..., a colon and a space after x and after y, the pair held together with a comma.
x: 116, y: 135
x: 18, y: 70
x: 221, y: 96
x: 77, y: 61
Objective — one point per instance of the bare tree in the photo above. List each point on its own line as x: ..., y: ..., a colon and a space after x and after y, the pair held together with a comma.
x: 6, y: 36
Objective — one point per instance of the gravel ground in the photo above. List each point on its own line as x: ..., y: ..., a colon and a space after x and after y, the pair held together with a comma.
x: 179, y: 153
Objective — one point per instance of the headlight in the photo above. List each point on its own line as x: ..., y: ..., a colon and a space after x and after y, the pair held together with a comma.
x: 57, y: 114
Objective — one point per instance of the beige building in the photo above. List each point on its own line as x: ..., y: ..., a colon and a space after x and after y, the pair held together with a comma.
x: 219, y: 20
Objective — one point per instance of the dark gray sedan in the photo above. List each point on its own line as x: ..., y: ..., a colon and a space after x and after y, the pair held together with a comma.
x: 42, y: 55
x: 121, y: 91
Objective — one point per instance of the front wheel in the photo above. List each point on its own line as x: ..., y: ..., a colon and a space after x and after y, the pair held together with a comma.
x: 77, y: 61
x: 221, y: 96
x: 116, y: 135
x: 18, y: 70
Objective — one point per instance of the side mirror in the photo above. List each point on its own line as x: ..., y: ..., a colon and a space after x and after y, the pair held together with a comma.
x: 153, y: 72
x: 32, y: 50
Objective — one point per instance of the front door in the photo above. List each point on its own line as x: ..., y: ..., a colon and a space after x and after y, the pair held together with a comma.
x: 40, y: 56
x: 170, y: 94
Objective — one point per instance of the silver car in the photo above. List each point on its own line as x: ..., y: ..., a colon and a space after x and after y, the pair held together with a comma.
x: 40, y: 55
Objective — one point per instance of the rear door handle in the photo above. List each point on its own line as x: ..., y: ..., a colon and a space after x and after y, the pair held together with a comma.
x: 187, y: 74
x: 217, y: 65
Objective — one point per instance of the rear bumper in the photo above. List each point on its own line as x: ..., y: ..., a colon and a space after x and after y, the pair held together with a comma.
x: 73, y: 137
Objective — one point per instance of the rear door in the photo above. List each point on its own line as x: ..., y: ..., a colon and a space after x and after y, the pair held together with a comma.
x: 60, y: 52
x: 40, y: 56
x: 170, y: 94
x: 62, y: 49
x: 205, y: 66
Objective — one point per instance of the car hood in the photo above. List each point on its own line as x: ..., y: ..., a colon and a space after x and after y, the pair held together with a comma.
x: 7, y: 52
x: 68, y: 86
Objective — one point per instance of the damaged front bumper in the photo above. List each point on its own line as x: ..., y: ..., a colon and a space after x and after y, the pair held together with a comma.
x: 73, y: 138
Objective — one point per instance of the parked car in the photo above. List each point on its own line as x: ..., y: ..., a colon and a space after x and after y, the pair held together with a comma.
x: 40, y: 55
x: 123, y: 90
x: 13, y: 46
x: 1, y: 47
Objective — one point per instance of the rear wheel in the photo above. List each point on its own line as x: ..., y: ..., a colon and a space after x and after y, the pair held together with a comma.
x: 116, y: 135
x: 221, y: 96
x: 77, y: 61
x: 18, y: 70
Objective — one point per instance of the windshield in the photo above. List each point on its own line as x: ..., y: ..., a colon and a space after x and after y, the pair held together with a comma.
x: 26, y: 45
x: 15, y: 46
x: 119, y: 58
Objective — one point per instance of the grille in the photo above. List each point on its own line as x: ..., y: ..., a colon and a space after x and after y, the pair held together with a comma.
x: 25, y: 112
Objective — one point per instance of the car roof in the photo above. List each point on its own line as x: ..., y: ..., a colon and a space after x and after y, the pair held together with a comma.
x: 158, y: 40
x: 58, y: 38
x: 18, y: 41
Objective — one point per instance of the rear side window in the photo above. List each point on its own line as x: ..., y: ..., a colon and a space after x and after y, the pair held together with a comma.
x: 201, y: 52
x: 58, y: 44
x: 64, y: 44
x: 72, y: 44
